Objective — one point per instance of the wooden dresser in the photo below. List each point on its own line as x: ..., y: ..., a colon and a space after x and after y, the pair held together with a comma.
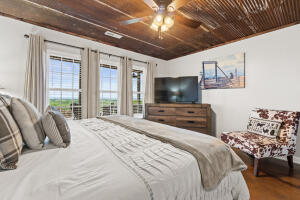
x: 196, y: 117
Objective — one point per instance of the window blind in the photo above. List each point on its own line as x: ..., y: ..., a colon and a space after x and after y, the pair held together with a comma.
x: 108, y: 90
x: 138, y: 95
x: 64, y: 86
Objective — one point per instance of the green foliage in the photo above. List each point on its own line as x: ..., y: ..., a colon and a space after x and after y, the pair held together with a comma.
x: 65, y: 103
x: 61, y: 103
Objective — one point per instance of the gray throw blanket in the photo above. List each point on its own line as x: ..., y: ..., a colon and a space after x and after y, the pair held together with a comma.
x: 215, y: 158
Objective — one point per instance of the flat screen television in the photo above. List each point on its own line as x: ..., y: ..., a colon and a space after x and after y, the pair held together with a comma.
x: 176, y: 90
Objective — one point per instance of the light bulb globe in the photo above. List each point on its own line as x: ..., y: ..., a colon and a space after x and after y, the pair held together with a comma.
x: 158, y: 20
x: 168, y: 21
x: 164, y: 28
x: 154, y: 27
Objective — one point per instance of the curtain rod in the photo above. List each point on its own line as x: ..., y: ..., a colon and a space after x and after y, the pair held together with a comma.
x: 76, y: 47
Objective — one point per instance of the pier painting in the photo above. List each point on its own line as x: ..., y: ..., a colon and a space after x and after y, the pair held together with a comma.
x: 224, y: 72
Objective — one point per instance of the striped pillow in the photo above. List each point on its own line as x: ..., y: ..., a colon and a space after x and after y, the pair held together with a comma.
x: 29, y: 121
x: 56, y: 128
x: 10, y: 140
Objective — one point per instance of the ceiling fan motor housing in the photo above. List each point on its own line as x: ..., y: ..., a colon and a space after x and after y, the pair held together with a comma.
x: 164, y: 3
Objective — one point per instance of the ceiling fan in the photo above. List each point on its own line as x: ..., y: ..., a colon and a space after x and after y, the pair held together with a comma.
x: 165, y: 13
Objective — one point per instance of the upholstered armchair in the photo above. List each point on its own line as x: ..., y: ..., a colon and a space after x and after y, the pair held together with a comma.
x: 260, y: 146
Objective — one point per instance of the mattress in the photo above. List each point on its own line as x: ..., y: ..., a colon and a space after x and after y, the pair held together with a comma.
x: 106, y: 161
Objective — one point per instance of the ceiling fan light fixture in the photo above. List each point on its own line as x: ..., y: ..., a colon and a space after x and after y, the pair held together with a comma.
x: 170, y: 8
x: 154, y: 26
x: 164, y: 28
x: 168, y: 21
x: 158, y: 20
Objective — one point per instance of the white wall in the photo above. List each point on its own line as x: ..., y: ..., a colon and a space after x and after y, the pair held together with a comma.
x: 272, y: 77
x: 13, y: 51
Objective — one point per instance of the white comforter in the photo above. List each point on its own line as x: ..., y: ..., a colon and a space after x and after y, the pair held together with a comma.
x: 108, y: 162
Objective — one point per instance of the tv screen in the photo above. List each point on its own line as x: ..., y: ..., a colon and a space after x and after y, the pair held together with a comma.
x: 172, y: 90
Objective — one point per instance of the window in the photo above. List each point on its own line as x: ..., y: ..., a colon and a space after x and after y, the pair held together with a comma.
x: 138, y: 95
x: 108, y: 90
x: 64, y: 86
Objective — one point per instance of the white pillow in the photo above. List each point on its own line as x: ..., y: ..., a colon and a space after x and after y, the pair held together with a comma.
x: 56, y: 128
x: 29, y: 121
x: 264, y: 127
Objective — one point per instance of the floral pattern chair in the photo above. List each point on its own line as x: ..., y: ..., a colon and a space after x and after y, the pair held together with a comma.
x: 260, y: 146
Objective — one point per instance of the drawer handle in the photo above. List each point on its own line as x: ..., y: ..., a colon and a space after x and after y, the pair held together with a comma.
x: 161, y: 111
x: 191, y: 112
x: 161, y: 120
x: 191, y: 122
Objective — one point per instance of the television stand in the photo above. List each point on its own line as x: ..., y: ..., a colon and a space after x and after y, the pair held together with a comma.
x: 195, y: 117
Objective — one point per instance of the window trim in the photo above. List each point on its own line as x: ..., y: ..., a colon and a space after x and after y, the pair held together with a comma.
x: 139, y: 69
x: 62, y: 55
x: 108, y: 91
x: 57, y: 53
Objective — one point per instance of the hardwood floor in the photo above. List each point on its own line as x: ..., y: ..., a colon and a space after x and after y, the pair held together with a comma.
x: 275, y: 181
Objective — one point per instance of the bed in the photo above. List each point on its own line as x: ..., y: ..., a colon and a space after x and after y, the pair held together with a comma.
x: 110, y: 162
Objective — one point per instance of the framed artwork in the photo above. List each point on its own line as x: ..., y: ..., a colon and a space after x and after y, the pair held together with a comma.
x: 224, y: 72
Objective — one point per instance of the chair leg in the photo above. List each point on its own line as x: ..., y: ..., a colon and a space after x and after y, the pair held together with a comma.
x: 290, y: 161
x: 251, y: 157
x: 256, y: 167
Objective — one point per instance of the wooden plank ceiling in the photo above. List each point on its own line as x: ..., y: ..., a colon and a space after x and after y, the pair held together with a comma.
x: 224, y: 21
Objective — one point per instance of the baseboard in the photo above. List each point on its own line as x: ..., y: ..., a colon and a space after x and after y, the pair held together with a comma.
x: 295, y: 158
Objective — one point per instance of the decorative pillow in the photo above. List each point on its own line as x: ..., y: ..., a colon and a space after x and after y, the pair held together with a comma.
x: 11, y: 143
x: 56, y: 128
x: 29, y: 121
x: 49, y: 108
x: 264, y: 127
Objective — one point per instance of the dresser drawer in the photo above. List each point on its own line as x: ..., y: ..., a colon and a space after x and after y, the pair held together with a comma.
x: 191, y: 112
x: 170, y: 120
x: 161, y: 111
x: 191, y: 122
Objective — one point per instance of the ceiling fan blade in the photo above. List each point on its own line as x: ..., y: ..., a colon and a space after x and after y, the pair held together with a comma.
x: 176, y: 4
x: 151, y: 4
x: 187, y: 22
x: 136, y: 20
